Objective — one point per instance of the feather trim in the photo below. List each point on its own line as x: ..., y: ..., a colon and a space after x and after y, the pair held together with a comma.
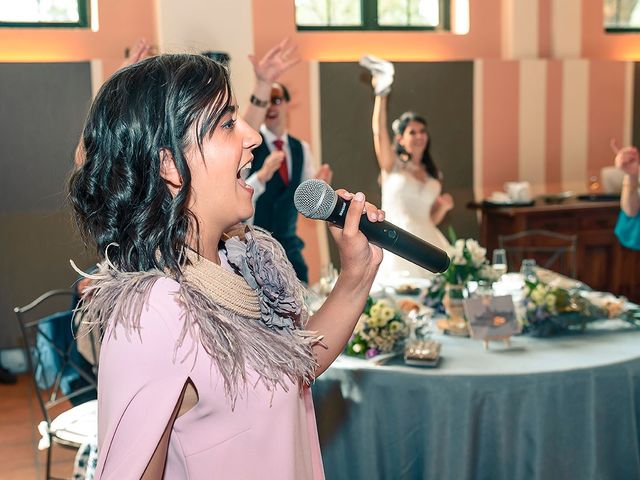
x: 234, y: 343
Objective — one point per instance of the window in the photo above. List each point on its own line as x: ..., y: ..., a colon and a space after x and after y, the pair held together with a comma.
x: 372, y: 14
x: 622, y: 16
x: 44, y: 13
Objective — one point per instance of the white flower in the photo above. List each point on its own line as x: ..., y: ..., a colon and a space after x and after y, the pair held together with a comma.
x: 472, y: 244
x: 459, y: 248
x: 459, y: 260
x: 362, y: 321
x: 478, y: 254
x: 479, y: 257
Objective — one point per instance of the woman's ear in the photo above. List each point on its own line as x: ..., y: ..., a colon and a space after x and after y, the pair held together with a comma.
x: 168, y: 171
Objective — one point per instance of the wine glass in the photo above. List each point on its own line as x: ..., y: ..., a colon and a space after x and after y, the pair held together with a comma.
x: 499, y: 263
x: 328, y: 277
x: 528, y: 269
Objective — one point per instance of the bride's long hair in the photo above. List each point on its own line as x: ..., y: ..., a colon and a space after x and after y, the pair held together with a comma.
x: 399, y: 126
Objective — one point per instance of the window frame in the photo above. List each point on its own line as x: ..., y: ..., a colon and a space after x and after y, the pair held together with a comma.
x: 619, y: 30
x: 369, y: 18
x: 83, y: 20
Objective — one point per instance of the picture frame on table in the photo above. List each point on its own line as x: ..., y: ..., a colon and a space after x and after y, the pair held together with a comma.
x: 491, y: 318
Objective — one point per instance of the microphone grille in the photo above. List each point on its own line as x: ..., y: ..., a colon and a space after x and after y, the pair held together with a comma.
x: 315, y: 199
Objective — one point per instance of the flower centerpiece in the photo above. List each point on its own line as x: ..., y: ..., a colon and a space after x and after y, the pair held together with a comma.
x: 468, y: 263
x: 380, y: 329
x: 551, y: 310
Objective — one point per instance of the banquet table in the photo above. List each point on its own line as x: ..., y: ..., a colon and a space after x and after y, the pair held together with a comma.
x: 566, y: 407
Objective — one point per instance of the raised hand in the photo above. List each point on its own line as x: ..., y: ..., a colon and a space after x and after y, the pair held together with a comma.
x: 627, y: 160
x: 324, y: 173
x: 445, y: 202
x: 139, y: 51
x: 382, y: 73
x: 270, y: 166
x: 275, y: 62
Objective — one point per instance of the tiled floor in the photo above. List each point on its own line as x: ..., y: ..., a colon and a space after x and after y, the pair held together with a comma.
x: 19, y: 455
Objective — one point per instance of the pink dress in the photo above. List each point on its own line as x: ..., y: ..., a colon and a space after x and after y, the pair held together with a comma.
x: 267, y: 435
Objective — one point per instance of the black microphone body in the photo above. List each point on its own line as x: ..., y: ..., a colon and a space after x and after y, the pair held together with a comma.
x: 385, y: 235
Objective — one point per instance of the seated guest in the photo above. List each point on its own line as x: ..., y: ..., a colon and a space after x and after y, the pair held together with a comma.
x: 278, y: 152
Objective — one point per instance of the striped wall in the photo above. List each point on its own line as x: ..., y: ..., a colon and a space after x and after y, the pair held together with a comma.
x: 549, y: 122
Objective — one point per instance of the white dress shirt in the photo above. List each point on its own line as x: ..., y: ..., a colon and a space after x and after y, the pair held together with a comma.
x: 308, y: 167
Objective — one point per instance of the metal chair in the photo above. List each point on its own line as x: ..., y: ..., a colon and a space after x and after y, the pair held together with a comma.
x: 64, y: 381
x: 551, y: 250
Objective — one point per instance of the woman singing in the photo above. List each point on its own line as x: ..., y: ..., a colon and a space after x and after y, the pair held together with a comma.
x: 208, y: 352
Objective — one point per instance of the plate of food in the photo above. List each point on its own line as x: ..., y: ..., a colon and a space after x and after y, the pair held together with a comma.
x: 555, y: 198
x: 409, y: 286
x: 509, y: 203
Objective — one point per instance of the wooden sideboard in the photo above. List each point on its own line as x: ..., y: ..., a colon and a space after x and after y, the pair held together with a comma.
x: 602, y: 263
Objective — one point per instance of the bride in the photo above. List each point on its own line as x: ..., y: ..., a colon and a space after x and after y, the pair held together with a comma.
x: 411, y: 182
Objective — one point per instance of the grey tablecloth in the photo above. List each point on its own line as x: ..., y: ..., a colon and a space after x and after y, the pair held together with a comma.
x: 563, y: 408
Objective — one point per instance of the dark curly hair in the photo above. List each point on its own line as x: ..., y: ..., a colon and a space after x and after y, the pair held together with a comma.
x: 399, y: 126
x: 117, y: 193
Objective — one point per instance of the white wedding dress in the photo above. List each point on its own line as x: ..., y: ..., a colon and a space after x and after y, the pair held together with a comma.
x: 407, y: 203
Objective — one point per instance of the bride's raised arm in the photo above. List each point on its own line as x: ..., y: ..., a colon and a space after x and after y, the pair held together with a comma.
x: 381, y: 140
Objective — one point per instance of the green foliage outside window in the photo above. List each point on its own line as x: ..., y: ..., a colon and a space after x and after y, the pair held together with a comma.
x: 372, y: 14
x: 621, y: 16
x: 44, y: 13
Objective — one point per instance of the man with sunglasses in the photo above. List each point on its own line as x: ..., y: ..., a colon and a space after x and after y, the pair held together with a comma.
x: 282, y: 161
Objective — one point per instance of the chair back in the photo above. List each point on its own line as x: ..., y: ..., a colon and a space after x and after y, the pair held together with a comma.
x: 551, y: 250
x: 62, y: 377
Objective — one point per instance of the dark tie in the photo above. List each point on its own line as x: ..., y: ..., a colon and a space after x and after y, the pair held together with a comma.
x: 283, y: 170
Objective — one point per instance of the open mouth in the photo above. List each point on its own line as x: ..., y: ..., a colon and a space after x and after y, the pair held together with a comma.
x: 243, y: 173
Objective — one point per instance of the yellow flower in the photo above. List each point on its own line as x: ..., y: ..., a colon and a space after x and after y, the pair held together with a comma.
x: 394, y: 327
x: 374, y: 311
x: 386, y: 314
x: 374, y: 322
x: 550, y: 301
x: 538, y: 294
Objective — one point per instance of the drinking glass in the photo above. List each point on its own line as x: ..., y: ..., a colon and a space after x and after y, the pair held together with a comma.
x: 499, y: 263
x: 328, y: 277
x: 594, y: 184
x: 528, y: 269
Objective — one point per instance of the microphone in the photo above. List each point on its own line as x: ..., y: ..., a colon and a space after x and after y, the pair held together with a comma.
x: 317, y: 200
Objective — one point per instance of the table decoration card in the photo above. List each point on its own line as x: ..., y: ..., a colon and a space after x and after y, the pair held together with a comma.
x: 491, y: 318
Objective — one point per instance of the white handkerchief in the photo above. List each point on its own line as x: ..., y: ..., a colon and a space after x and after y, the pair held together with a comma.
x: 381, y: 71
